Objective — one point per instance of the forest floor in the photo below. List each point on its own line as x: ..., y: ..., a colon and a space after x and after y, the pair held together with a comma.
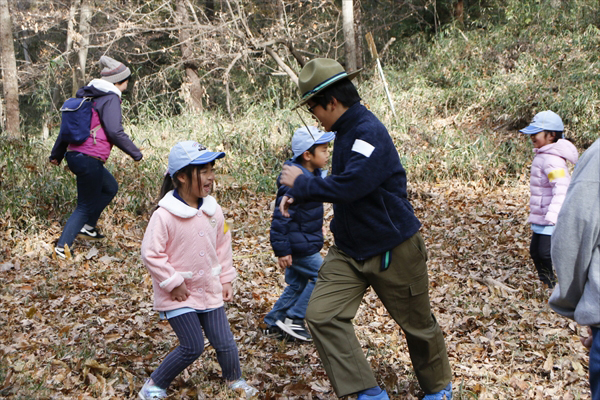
x: 84, y: 328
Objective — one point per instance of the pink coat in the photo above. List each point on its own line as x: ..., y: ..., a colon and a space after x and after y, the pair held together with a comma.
x: 181, y: 244
x: 549, y: 181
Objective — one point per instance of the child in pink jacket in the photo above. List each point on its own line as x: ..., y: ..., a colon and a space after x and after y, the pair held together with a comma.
x: 548, y: 184
x: 187, y: 250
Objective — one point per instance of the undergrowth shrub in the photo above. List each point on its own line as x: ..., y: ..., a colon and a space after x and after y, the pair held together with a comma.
x: 459, y: 97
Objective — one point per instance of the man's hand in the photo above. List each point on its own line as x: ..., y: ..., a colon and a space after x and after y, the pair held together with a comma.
x: 227, y: 292
x: 284, y: 206
x: 54, y: 161
x: 180, y: 293
x: 289, y: 175
x: 285, y: 261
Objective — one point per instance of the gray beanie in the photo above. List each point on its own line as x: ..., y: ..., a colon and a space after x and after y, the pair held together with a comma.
x: 113, y: 70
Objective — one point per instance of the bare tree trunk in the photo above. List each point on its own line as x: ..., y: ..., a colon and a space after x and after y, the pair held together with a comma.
x: 9, y: 72
x: 459, y: 12
x: 187, y: 56
x: 2, y: 124
x: 360, y: 53
x: 71, y: 25
x: 84, y: 29
x: 349, y: 35
x: 210, y: 10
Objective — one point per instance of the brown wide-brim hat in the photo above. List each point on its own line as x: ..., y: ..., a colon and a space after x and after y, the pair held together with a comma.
x: 318, y: 74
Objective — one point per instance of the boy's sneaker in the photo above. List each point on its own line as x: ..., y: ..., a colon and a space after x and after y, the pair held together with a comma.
x: 295, y: 328
x: 90, y: 234
x: 152, y: 392
x: 273, y: 331
x: 381, y: 396
x: 60, y: 253
x: 242, y: 384
x: 444, y: 394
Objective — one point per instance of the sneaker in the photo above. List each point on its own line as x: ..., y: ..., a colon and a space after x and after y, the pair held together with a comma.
x: 242, y: 384
x: 295, y: 328
x: 273, y: 331
x: 90, y: 234
x: 60, y: 253
x: 381, y: 396
x: 444, y: 394
x: 152, y: 392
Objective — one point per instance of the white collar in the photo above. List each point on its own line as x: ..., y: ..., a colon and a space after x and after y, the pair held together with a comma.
x: 104, y: 86
x: 182, y: 210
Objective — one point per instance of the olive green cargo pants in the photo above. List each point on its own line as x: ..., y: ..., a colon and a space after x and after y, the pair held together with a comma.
x: 404, y: 290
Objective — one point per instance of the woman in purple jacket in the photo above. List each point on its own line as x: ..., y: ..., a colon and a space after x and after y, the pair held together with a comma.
x: 96, y: 186
x: 548, y: 184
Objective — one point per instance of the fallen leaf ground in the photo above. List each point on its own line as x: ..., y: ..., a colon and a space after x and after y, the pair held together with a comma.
x: 84, y: 328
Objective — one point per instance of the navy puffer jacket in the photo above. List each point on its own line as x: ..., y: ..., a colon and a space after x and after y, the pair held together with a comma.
x: 301, y: 234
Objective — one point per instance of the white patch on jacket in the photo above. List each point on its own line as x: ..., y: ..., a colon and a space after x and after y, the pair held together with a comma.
x: 362, y: 147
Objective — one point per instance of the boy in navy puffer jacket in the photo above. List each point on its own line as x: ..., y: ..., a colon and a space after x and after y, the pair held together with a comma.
x: 298, y: 240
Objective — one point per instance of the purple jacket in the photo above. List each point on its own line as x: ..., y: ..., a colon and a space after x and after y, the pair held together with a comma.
x: 549, y: 181
x: 107, y: 104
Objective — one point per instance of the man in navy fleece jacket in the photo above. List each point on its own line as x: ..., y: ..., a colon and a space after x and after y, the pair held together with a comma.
x: 377, y: 242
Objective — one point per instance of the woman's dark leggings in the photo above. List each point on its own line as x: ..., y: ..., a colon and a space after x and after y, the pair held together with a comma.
x: 188, y: 328
x: 540, y: 253
x: 96, y: 187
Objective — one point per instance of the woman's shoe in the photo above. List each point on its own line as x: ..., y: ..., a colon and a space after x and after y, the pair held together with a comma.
x: 90, y: 234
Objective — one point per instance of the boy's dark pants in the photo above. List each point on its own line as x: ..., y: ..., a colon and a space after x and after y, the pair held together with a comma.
x: 540, y: 253
x: 404, y: 290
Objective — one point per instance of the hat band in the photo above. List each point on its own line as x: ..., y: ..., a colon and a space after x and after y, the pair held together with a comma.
x: 321, y: 85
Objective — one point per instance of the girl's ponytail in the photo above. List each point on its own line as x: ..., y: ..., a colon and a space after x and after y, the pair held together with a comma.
x: 166, y: 187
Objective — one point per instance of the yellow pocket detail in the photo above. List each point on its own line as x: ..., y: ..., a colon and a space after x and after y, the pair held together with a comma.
x: 557, y: 173
x: 225, y: 227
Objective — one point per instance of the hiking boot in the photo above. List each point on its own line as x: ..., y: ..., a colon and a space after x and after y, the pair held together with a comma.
x: 242, y: 384
x: 90, y: 234
x: 295, y: 328
x: 149, y: 392
x: 444, y: 394
x: 60, y: 253
x: 381, y: 396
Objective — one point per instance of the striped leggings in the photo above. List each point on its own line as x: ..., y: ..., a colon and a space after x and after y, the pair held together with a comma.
x: 188, y: 328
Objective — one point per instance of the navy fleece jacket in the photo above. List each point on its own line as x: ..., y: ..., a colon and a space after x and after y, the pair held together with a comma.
x: 367, y: 186
x: 302, y: 233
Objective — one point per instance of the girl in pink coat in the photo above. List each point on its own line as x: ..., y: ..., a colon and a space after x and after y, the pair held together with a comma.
x: 548, y: 184
x: 187, y: 250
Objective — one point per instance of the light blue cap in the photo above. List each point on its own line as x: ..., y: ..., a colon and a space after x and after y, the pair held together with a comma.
x: 190, y: 153
x: 544, y: 121
x: 307, y: 136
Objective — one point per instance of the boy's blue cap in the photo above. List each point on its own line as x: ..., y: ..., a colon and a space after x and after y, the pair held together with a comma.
x: 190, y: 153
x: 544, y: 121
x: 304, y: 140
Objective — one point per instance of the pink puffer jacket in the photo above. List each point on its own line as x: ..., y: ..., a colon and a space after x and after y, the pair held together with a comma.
x: 550, y: 179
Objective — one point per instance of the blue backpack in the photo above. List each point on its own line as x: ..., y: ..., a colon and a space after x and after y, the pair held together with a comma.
x: 77, y: 120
